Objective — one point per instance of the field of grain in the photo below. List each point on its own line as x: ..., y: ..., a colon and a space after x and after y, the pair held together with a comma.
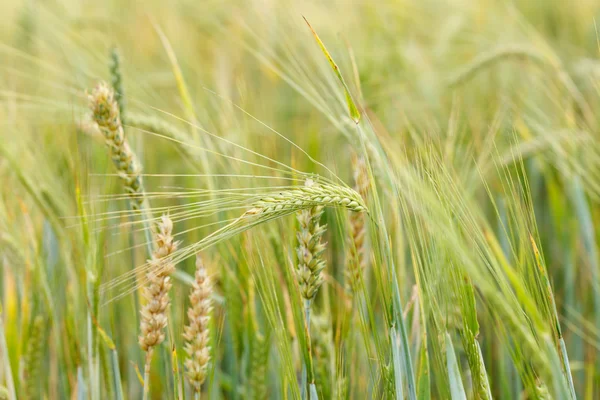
x: 299, y: 199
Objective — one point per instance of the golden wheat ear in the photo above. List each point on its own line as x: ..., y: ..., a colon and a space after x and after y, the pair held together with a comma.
x: 106, y: 114
x: 197, y: 332
x: 156, y: 293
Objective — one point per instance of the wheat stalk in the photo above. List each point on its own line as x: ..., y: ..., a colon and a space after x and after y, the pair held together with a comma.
x: 156, y: 293
x: 310, y: 262
x: 197, y: 331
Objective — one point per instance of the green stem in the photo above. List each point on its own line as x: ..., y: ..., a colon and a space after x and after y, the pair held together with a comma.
x: 397, y: 363
x: 114, y: 362
x: 303, y: 386
x: 147, y: 373
x: 146, y: 216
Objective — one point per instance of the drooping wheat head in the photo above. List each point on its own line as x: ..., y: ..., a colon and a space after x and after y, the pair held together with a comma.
x: 311, y: 195
x: 197, y: 331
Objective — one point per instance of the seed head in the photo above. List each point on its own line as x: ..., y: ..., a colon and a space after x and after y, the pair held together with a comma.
x: 156, y: 293
x: 105, y: 112
x: 197, y: 331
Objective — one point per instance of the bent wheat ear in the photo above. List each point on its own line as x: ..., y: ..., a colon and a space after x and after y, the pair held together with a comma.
x: 308, y: 196
x: 106, y: 114
x: 259, y: 209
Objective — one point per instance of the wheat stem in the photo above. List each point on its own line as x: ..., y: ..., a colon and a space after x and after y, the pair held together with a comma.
x: 156, y: 293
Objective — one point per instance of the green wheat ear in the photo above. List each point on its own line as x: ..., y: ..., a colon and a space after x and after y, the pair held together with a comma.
x: 311, y: 195
x: 117, y: 81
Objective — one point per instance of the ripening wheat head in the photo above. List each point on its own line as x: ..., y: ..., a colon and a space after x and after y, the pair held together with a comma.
x: 105, y: 112
x: 197, y: 331
x: 357, y: 259
x: 309, y: 250
x: 156, y: 292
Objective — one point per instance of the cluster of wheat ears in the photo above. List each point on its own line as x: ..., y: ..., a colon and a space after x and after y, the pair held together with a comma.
x: 225, y: 200
x: 306, y: 201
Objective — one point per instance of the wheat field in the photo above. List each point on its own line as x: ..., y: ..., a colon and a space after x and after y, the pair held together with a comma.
x: 286, y: 199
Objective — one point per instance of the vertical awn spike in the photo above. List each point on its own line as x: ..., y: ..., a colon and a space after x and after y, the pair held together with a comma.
x: 197, y: 331
x: 357, y: 258
x: 156, y: 293
x: 259, y: 365
x: 117, y: 81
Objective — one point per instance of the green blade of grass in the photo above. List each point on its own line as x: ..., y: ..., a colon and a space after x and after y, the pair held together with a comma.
x: 457, y: 389
x: 423, y: 379
x: 556, y: 323
x: 352, y: 109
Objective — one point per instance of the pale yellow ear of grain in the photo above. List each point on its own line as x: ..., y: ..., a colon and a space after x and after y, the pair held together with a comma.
x: 156, y: 291
x: 154, y: 315
x: 197, y: 333
x: 105, y: 112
